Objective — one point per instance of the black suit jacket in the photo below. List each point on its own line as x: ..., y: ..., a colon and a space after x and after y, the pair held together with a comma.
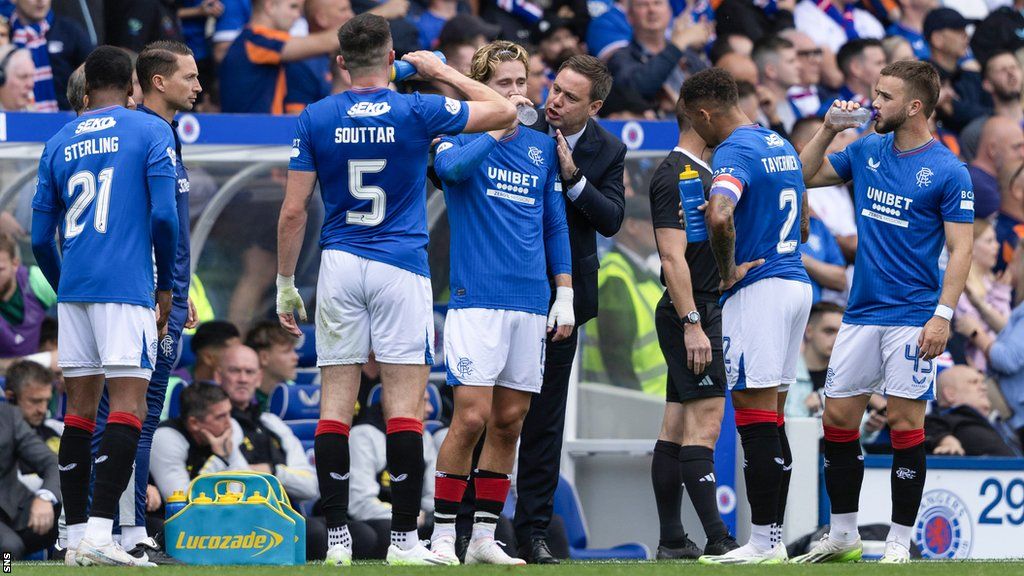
x: 599, y: 208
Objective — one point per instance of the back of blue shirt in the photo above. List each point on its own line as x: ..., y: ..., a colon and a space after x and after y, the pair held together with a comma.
x: 901, y: 201
x: 507, y: 220
x: 369, y: 150
x: 763, y: 172
x: 94, y: 172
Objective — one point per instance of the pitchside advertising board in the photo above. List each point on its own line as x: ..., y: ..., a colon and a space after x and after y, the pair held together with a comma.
x: 972, y: 507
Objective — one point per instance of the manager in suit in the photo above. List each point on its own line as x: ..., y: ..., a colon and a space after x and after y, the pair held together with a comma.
x: 27, y: 519
x: 591, y: 165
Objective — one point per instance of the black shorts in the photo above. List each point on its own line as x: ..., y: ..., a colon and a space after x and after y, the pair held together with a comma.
x: 683, y: 385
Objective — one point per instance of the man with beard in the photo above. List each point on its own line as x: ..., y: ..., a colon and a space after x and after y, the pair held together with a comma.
x: 910, y: 193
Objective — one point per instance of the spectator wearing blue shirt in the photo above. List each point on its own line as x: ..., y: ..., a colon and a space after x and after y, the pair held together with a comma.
x: 310, y: 80
x: 911, y: 26
x: 823, y: 260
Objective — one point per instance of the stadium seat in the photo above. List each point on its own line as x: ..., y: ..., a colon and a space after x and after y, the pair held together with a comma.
x: 306, y: 346
x: 567, y: 505
x: 374, y: 396
x: 433, y: 411
x: 297, y: 402
x: 186, y: 358
x: 174, y: 402
x: 307, y: 376
x: 305, y: 430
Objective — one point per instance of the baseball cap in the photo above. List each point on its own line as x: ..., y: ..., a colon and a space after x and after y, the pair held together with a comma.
x: 943, y: 19
x: 465, y: 27
x: 547, y: 27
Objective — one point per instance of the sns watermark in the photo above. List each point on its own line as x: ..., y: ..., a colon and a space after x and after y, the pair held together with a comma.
x: 7, y: 562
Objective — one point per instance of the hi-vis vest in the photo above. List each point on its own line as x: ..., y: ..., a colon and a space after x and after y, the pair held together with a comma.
x: 648, y: 361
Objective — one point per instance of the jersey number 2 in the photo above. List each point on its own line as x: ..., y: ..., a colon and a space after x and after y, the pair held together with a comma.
x: 84, y: 184
x: 375, y: 194
x: 787, y: 201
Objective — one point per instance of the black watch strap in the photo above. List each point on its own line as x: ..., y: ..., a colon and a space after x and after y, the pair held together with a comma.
x: 574, y: 179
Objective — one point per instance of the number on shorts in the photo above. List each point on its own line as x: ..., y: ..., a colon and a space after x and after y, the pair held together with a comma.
x: 787, y: 196
x: 375, y: 194
x: 84, y: 184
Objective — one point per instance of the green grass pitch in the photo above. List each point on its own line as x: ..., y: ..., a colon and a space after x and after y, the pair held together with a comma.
x: 574, y: 569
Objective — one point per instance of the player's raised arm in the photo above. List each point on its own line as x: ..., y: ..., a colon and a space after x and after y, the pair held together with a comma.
x: 818, y: 169
x: 302, y: 47
x: 454, y: 161
x: 488, y: 110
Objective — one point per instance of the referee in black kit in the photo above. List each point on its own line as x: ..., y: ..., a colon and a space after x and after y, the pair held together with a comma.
x: 689, y: 324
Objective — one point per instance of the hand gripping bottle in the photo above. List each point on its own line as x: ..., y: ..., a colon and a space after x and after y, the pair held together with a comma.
x: 401, y: 69
x: 691, y: 193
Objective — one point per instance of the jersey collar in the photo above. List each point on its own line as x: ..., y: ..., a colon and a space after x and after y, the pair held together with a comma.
x: 174, y: 128
x: 912, y: 151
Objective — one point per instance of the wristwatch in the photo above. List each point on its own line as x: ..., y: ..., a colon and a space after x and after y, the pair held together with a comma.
x: 693, y: 317
x: 574, y: 178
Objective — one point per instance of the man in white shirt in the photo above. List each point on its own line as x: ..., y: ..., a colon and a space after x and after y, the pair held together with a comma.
x: 825, y: 24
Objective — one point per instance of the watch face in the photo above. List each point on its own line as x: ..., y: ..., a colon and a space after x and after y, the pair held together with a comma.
x: 693, y: 317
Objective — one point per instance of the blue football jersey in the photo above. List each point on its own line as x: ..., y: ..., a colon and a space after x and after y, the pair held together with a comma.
x: 94, y: 172
x: 901, y: 200
x: 507, y: 220
x: 369, y: 150
x: 762, y: 171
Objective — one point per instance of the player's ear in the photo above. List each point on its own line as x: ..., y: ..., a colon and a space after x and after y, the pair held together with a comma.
x: 341, y: 62
x: 391, y: 57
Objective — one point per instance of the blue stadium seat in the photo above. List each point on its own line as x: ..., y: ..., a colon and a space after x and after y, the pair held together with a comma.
x: 305, y: 430
x: 567, y: 505
x: 433, y: 411
x: 186, y: 357
x: 307, y: 376
x: 374, y: 396
x: 306, y: 346
x: 174, y: 402
x: 296, y: 402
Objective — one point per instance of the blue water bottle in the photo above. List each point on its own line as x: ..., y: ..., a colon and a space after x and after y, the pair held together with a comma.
x: 691, y: 193
x: 401, y: 69
x: 175, y: 503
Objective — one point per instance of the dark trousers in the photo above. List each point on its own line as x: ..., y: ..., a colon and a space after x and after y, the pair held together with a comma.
x: 20, y: 543
x: 540, y: 445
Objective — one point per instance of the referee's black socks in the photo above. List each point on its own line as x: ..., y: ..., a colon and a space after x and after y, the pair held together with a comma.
x: 668, y: 493
x: 697, y: 464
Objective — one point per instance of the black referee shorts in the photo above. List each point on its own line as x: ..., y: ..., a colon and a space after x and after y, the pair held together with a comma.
x: 683, y: 384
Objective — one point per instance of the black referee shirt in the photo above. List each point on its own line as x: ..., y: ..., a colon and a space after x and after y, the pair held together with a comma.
x: 665, y: 214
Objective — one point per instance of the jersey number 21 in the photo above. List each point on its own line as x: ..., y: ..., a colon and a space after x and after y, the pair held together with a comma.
x: 84, y: 185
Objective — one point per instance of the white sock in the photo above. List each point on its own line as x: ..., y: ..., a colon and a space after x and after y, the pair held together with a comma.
x: 132, y: 535
x: 339, y: 536
x: 776, y: 534
x: 484, y: 524
x: 900, y: 533
x: 761, y: 536
x: 405, y: 540
x: 99, y: 531
x: 442, y: 529
x: 75, y: 533
x: 844, y: 528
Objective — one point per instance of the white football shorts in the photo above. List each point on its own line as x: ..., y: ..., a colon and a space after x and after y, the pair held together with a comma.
x: 762, y: 328
x: 114, y: 339
x: 879, y: 360
x: 365, y: 305
x: 485, y: 347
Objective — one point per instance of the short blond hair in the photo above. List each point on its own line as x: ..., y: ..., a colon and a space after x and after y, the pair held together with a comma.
x: 488, y: 56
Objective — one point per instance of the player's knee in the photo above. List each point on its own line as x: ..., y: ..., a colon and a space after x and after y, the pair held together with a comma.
x: 469, y: 422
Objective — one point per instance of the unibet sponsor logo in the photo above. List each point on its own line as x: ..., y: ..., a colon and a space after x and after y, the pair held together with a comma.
x: 258, y: 543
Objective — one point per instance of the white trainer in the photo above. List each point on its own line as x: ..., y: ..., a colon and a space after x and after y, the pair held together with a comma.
x: 111, y: 554
x: 417, y: 556
x: 69, y: 557
x: 444, y: 546
x: 895, y: 553
x: 829, y: 550
x: 488, y: 551
x: 749, y: 554
x: 338, y: 555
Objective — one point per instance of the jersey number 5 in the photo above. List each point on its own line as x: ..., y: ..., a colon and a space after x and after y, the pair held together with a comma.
x: 375, y: 194
x: 84, y: 185
x: 787, y: 201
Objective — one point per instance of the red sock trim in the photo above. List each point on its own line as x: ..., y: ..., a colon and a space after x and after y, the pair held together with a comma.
x: 331, y: 427
x: 780, y: 420
x: 493, y: 489
x: 903, y: 439
x: 834, y: 434
x: 747, y: 416
x: 80, y: 423
x: 126, y: 418
x: 449, y: 489
x: 396, y: 425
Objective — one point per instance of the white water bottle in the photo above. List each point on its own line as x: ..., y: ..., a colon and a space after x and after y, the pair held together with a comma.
x: 527, y: 115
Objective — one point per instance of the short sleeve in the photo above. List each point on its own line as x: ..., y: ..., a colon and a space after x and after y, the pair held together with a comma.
x: 231, y: 21
x: 44, y: 199
x: 665, y: 200
x: 302, y: 159
x: 958, y: 196
x: 731, y: 159
x: 161, y: 160
x: 265, y: 48
x: 842, y: 163
x: 440, y: 114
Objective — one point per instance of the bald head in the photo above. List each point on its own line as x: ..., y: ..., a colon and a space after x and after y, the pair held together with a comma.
x: 1001, y: 143
x: 239, y: 374
x: 328, y: 14
x: 964, y: 386
x: 739, y: 66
